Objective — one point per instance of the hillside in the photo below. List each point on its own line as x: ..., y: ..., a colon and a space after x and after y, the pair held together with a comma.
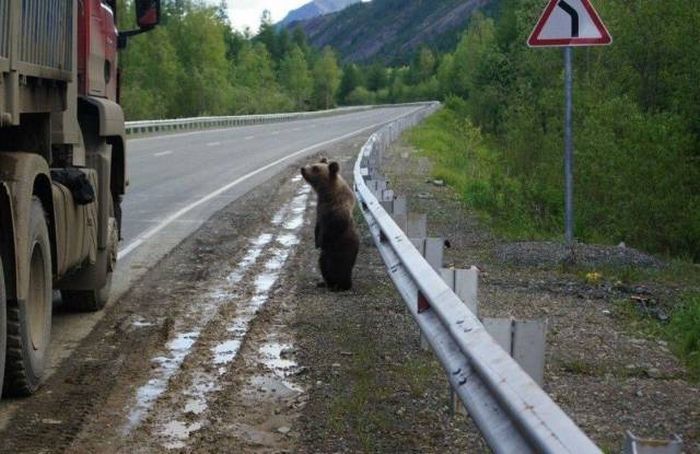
x: 316, y: 8
x: 390, y: 30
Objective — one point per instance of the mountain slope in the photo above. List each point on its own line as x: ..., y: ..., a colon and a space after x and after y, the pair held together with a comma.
x: 391, y: 30
x: 316, y: 8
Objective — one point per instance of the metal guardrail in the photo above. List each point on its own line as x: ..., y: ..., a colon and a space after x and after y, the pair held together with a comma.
x: 512, y: 412
x: 195, y: 123
x: 183, y: 124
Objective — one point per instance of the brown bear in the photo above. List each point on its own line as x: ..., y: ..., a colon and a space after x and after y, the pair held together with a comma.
x: 335, y: 231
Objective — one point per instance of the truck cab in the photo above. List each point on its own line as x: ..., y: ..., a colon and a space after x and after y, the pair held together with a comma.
x: 62, y: 168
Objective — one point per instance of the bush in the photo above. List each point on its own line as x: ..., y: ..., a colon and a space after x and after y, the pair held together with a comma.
x: 361, y: 97
x: 684, y: 333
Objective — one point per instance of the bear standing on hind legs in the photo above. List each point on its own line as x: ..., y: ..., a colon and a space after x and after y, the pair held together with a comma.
x: 335, y: 231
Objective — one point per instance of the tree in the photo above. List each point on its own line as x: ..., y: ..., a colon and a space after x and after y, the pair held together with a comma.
x: 326, y: 79
x: 376, y: 77
x: 283, y: 45
x: 254, y: 67
x: 352, y: 78
x: 476, y: 42
x: 299, y: 38
x: 267, y: 34
x: 423, y: 66
x: 204, y: 85
x: 295, y: 77
x: 150, y: 72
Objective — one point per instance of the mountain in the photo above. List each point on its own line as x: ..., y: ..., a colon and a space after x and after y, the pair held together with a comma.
x: 314, y: 9
x: 391, y: 30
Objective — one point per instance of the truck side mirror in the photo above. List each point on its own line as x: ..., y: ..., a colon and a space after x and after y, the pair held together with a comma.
x: 147, y: 13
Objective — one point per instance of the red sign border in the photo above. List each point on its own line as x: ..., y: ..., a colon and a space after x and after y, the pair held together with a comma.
x: 535, y: 41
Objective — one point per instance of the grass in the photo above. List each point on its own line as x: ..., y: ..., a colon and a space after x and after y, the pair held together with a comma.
x: 356, y: 408
x: 466, y: 161
x: 365, y: 406
x: 682, y: 332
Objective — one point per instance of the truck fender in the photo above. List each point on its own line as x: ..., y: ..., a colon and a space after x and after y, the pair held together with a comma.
x: 109, y: 113
x: 26, y: 175
x: 110, y: 125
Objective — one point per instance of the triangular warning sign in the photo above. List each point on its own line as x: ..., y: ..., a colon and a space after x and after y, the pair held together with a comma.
x: 569, y: 23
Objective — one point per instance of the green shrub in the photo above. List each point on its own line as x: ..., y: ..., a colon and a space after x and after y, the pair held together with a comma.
x: 683, y: 332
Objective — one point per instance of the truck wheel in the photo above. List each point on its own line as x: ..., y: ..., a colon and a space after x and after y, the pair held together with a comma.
x: 3, y: 323
x: 29, y: 321
x: 95, y: 299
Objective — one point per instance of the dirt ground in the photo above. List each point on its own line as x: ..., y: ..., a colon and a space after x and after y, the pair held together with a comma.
x: 228, y: 345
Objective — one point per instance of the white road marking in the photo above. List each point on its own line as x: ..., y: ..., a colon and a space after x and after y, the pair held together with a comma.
x: 128, y: 249
x: 250, y: 138
x: 163, y: 153
x: 213, y: 144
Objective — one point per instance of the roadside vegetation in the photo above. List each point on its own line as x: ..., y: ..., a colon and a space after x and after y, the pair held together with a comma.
x: 636, y: 127
x: 681, y: 331
x: 194, y: 64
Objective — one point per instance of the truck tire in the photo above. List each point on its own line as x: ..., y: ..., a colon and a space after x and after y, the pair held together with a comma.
x: 29, y: 321
x: 3, y: 323
x: 94, y: 300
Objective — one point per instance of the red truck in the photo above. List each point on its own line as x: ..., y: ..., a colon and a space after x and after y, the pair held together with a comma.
x: 62, y: 168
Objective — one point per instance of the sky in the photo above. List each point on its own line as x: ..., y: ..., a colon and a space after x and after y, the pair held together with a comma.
x: 247, y: 13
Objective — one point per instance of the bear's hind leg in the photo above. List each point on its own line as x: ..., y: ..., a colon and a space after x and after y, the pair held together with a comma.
x: 326, y: 266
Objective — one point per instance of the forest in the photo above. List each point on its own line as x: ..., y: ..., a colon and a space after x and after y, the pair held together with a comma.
x: 195, y: 64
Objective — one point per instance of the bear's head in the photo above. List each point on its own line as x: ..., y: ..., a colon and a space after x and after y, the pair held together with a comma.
x: 320, y: 175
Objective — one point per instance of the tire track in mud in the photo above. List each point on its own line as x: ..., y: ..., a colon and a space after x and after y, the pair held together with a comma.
x: 207, y: 343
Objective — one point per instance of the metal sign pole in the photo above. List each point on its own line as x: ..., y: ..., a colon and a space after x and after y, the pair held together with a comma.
x: 566, y: 24
x: 569, y: 148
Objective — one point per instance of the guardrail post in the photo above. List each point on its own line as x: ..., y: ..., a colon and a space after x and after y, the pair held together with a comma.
x: 635, y: 445
x: 393, y: 204
x: 524, y: 340
x: 415, y: 225
x: 465, y: 284
x: 432, y: 249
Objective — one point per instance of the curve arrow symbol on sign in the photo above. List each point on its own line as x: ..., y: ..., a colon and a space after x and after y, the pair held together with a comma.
x: 568, y: 9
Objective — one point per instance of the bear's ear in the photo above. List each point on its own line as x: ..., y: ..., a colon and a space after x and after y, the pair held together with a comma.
x: 333, y: 168
x: 324, y: 161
